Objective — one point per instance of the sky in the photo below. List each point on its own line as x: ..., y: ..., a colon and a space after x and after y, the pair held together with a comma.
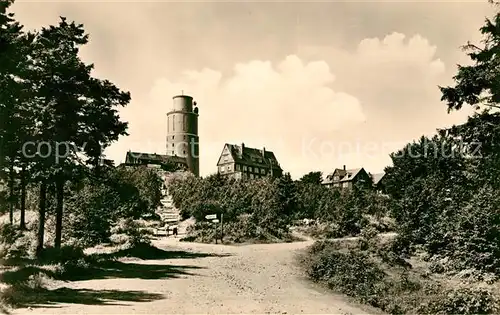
x: 321, y: 84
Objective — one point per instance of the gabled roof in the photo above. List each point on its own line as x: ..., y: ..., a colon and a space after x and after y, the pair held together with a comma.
x: 345, y: 175
x: 339, y: 172
x: 252, y: 156
x: 377, y: 177
x: 351, y: 174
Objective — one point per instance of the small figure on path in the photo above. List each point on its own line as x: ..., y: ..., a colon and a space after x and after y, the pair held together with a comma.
x: 167, y: 229
x: 175, y: 231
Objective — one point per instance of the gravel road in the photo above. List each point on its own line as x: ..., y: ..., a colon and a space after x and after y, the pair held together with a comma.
x: 251, y: 279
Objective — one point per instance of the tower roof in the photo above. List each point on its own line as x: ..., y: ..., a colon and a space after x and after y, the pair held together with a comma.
x: 182, y: 96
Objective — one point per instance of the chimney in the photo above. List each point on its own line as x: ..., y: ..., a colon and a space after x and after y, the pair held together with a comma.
x: 263, y: 152
x: 344, y: 167
x: 242, y: 148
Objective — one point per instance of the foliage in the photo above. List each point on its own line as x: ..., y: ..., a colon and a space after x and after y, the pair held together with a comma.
x: 461, y: 301
x: 95, y: 207
x: 128, y: 233
x: 312, y: 178
x: 51, y: 97
x: 361, y: 271
x: 442, y: 199
x: 16, y: 244
x: 478, y: 84
x: 265, y: 208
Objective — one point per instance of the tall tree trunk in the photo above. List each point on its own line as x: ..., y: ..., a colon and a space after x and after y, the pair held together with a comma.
x: 41, y: 217
x: 11, y: 195
x: 22, y: 223
x: 59, y: 211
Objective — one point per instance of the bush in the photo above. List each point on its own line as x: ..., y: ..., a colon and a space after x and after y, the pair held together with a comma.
x: 18, y: 293
x: 16, y: 244
x: 62, y: 255
x: 93, y: 208
x: 350, y: 272
x: 129, y: 234
x: 356, y: 269
x: 9, y: 233
x: 461, y: 301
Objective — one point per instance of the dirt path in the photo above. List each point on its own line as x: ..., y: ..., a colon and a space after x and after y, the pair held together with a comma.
x: 252, y: 279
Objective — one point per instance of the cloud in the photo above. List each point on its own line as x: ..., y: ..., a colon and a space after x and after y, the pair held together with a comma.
x: 260, y: 104
x: 396, y: 77
x: 315, y: 115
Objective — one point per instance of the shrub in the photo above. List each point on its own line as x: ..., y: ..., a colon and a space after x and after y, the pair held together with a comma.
x: 62, y: 255
x: 75, y: 268
x: 349, y: 272
x: 16, y: 244
x: 354, y: 269
x: 461, y: 301
x: 95, y: 207
x: 9, y: 233
x: 129, y: 233
x: 18, y: 293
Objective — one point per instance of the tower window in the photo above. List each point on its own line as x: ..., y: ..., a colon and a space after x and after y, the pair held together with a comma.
x: 172, y: 144
x: 184, y: 152
x: 173, y: 137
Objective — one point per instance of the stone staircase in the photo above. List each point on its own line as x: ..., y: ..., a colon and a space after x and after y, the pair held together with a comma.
x: 168, y: 213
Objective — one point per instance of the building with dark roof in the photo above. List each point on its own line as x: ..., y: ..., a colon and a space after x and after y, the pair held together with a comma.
x: 150, y: 159
x: 240, y: 161
x: 378, y: 182
x: 346, y: 178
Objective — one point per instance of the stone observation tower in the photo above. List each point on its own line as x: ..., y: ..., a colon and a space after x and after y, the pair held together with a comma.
x: 182, y: 132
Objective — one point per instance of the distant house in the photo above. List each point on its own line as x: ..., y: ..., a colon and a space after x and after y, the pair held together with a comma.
x: 240, y: 161
x: 346, y: 178
x: 378, y: 182
x: 154, y: 160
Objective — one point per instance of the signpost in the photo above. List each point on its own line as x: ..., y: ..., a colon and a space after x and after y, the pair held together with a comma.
x: 221, y: 227
x: 214, y: 219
